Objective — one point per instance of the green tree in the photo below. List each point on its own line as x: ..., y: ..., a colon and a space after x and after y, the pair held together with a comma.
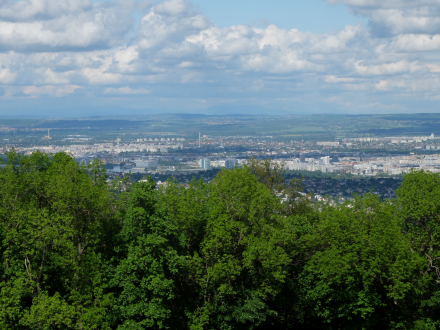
x: 297, y: 202
x: 245, y: 251
x: 241, y: 263
x: 419, y: 197
x: 149, y: 275
x: 188, y: 207
x: 271, y: 174
x: 53, y: 215
x: 362, y: 274
x: 268, y: 172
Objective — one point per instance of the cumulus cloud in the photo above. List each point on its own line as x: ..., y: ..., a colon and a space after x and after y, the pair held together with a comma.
x: 334, y: 79
x: 415, y: 43
x: 6, y: 76
x: 51, y: 90
x: 388, y: 68
x: 126, y: 90
x: 169, y: 23
x: 54, y: 48
x: 397, y: 16
x: 63, y: 24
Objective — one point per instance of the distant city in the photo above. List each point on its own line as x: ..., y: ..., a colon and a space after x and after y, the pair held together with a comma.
x: 142, y: 148
x: 143, y: 155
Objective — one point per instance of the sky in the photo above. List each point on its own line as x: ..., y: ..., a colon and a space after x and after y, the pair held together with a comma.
x: 68, y: 58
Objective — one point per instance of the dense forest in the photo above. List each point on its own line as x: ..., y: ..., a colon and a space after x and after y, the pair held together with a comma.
x: 245, y: 251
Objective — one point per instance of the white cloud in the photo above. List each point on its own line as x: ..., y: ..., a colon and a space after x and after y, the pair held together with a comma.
x: 126, y: 91
x: 52, y: 48
x: 415, y: 43
x: 174, y: 7
x: 6, y: 76
x: 386, y: 85
x: 170, y: 22
x: 37, y: 25
x: 388, y: 68
x: 30, y: 9
x: 398, y: 16
x: 334, y: 79
x: 433, y: 67
x: 51, y: 90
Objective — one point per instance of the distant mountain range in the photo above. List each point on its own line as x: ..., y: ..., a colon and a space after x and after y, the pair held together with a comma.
x: 233, y: 109
x: 217, y: 110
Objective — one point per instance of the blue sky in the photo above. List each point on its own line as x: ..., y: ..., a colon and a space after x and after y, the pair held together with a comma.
x: 81, y: 57
x: 316, y: 16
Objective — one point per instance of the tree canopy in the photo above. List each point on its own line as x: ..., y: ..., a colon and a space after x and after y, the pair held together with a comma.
x: 244, y: 251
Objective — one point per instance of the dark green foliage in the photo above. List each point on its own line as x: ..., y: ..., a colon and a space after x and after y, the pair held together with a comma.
x: 53, y: 216
x: 420, y: 207
x: 245, y: 251
x: 240, y: 265
x: 362, y: 273
x: 148, y: 273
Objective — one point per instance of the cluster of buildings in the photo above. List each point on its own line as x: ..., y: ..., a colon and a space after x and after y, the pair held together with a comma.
x: 80, y: 150
x: 229, y: 152
x: 395, y: 139
x: 229, y: 163
x: 269, y: 146
x: 258, y: 146
x: 392, y: 165
x: 392, y: 142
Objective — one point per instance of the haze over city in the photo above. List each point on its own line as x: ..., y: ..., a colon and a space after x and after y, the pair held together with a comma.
x: 81, y: 58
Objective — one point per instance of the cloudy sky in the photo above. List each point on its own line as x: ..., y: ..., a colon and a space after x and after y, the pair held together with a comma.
x: 82, y: 57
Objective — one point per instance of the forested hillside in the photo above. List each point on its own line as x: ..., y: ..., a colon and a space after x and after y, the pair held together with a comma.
x: 79, y: 252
